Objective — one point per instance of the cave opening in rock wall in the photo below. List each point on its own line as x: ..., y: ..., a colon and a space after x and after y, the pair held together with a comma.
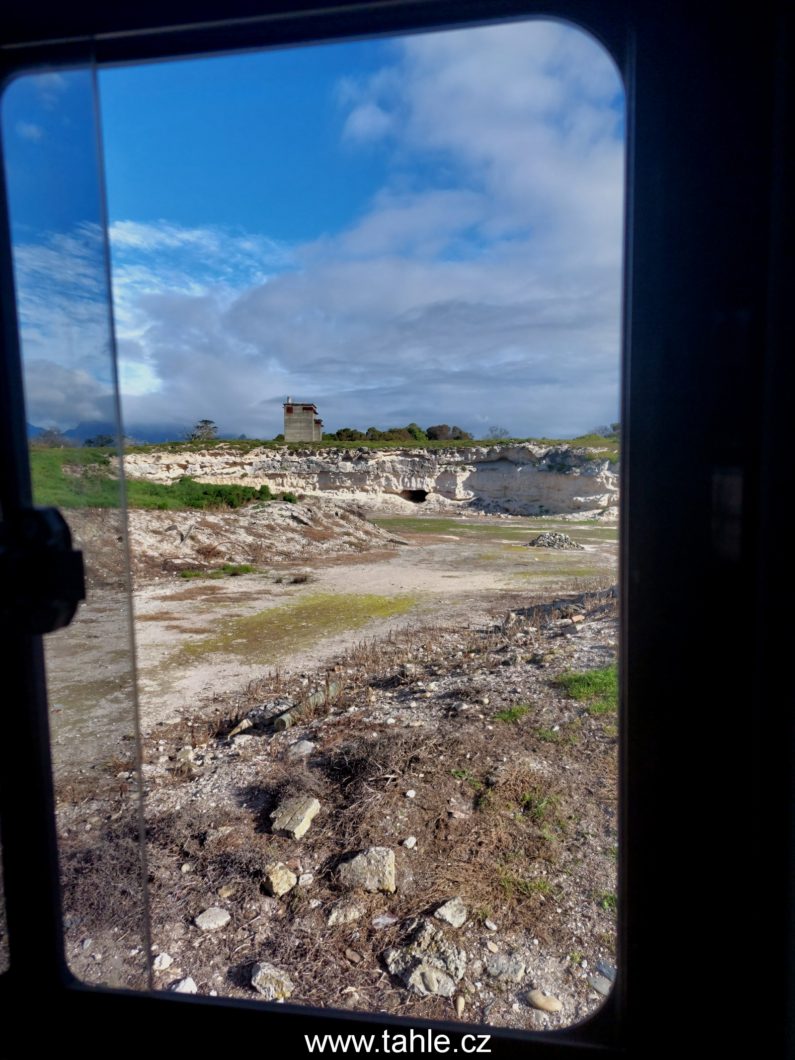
x: 415, y: 496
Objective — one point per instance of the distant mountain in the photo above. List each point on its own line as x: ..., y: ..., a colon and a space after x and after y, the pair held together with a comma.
x: 149, y: 433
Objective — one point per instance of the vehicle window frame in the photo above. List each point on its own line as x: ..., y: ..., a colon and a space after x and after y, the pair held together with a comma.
x: 681, y: 298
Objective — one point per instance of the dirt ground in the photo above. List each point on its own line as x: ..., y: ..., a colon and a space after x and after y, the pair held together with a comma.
x: 475, y: 565
x: 442, y: 658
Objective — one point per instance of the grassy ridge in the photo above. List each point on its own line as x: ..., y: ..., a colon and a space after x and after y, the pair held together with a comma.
x: 85, y: 478
x: 609, y: 448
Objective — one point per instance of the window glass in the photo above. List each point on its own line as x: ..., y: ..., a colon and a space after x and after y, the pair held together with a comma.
x: 63, y: 296
x: 367, y: 318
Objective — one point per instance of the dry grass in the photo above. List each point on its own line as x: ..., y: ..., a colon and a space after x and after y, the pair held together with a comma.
x: 504, y: 814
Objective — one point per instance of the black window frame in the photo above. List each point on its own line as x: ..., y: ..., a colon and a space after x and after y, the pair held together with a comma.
x: 706, y: 729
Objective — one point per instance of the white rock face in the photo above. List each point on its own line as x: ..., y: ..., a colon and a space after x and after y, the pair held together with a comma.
x: 522, y: 479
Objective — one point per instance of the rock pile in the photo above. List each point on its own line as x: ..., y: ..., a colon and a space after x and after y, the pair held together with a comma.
x: 552, y: 539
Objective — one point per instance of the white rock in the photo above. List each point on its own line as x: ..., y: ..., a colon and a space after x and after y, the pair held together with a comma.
x: 279, y: 879
x: 506, y: 969
x: 383, y: 920
x: 301, y: 749
x: 162, y: 961
x: 246, y: 723
x: 545, y: 1002
x: 212, y: 919
x: 410, y: 842
x: 294, y: 815
x: 453, y: 912
x: 184, y: 986
x: 427, y: 979
x: 271, y: 982
x: 372, y: 870
x: 344, y: 912
x: 306, y: 879
x: 411, y: 793
x: 490, y: 925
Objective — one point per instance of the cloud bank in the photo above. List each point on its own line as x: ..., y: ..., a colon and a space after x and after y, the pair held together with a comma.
x: 479, y: 285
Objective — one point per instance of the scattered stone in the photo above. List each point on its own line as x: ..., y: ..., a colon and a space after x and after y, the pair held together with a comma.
x: 410, y: 842
x: 344, y: 912
x: 490, y: 925
x: 601, y: 984
x: 605, y: 969
x: 551, y: 539
x: 301, y: 749
x: 271, y: 982
x: 411, y: 793
x: 306, y: 879
x: 492, y: 947
x: 279, y: 879
x: 184, y: 986
x: 460, y: 1005
x: 429, y: 963
x: 246, y: 723
x: 383, y: 920
x: 506, y: 969
x: 545, y: 1002
x: 426, y: 979
x: 294, y: 815
x: 372, y: 870
x: 212, y: 919
x: 227, y: 890
x: 186, y: 867
x: 353, y: 956
x: 162, y: 961
x: 453, y: 912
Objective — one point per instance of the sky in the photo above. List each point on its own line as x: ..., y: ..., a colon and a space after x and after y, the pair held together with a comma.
x: 426, y: 229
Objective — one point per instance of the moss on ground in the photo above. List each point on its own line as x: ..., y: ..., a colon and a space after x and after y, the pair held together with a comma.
x: 270, y: 635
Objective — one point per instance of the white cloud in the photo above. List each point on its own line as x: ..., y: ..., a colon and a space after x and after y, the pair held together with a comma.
x: 28, y: 130
x: 480, y: 285
x: 367, y: 122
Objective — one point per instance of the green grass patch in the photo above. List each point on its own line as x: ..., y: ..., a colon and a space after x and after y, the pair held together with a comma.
x: 550, y: 735
x: 539, y: 805
x: 270, y: 635
x: 229, y: 570
x: 86, y: 478
x: 512, y: 714
x: 567, y: 735
x: 607, y: 900
x: 516, y: 886
x: 468, y: 777
x: 544, y: 570
x: 598, y: 689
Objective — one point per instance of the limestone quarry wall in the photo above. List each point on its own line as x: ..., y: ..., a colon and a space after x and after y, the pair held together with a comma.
x: 520, y: 479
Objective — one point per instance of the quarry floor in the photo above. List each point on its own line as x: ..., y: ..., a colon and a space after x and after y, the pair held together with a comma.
x: 450, y: 741
x: 199, y: 637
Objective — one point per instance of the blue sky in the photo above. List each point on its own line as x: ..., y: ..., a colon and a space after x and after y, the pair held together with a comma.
x: 426, y: 228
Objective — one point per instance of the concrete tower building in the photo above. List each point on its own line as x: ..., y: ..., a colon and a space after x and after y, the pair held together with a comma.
x: 301, y: 422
